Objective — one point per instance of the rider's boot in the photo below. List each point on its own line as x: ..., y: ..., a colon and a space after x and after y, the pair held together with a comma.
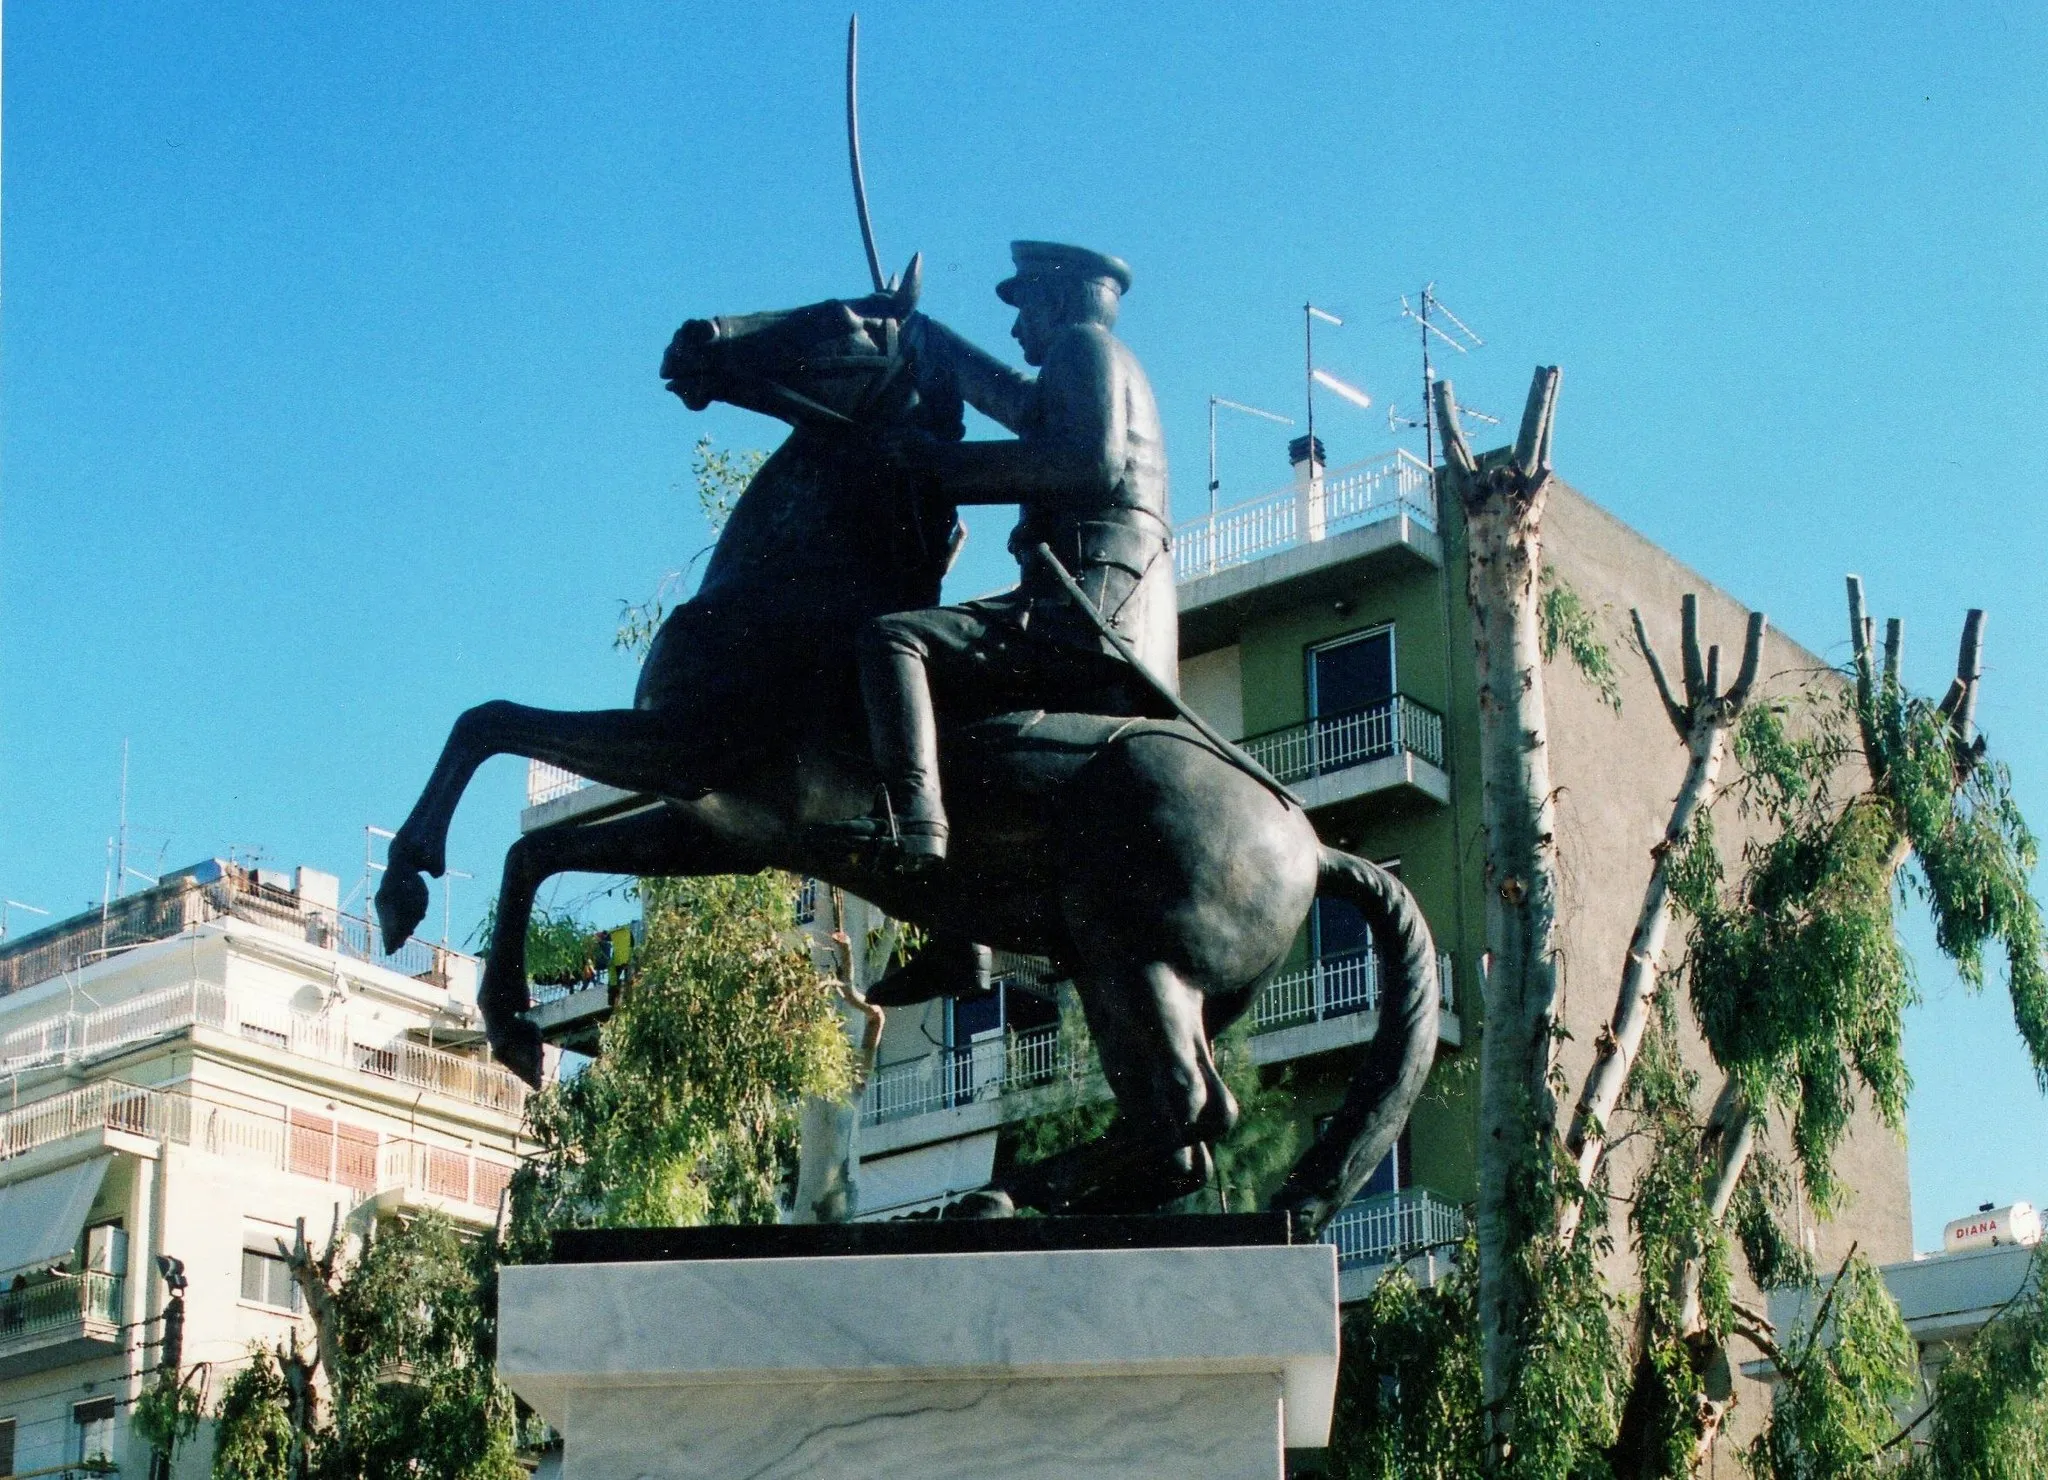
x: 906, y: 829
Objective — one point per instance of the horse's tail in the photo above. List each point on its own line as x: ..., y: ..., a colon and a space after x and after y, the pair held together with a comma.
x: 1390, y: 1076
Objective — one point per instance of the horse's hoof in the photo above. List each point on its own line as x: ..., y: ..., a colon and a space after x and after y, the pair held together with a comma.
x: 991, y: 1203
x: 516, y: 1045
x: 401, y: 905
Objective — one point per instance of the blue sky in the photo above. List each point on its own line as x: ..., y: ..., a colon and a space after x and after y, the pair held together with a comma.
x: 330, y: 335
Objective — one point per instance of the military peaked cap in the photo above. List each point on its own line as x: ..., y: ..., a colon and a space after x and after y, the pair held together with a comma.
x: 1051, y: 259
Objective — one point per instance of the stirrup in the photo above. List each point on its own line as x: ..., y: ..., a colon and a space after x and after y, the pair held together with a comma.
x: 911, y: 846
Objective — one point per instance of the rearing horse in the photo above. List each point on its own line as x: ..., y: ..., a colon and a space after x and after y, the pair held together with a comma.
x: 1167, y: 882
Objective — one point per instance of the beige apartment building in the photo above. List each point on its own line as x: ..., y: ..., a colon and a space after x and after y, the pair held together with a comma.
x: 189, y: 1073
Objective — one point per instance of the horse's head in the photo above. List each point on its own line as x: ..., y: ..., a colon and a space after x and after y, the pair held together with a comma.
x: 837, y: 363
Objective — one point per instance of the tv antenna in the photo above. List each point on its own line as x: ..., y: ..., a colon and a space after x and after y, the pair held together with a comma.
x: 1214, y: 402
x: 15, y: 904
x: 1314, y: 377
x: 1459, y: 336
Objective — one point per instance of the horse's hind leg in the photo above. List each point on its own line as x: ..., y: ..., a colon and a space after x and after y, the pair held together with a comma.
x: 630, y: 748
x: 663, y: 842
x: 1172, y: 1102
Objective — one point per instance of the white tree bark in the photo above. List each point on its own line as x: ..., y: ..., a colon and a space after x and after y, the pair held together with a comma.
x: 828, y: 1131
x: 1702, y: 722
x: 1502, y: 497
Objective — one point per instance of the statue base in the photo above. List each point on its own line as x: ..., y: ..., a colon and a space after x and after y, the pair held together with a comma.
x: 992, y: 1354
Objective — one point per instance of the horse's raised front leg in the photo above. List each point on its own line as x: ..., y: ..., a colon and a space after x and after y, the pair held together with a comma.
x: 630, y: 748
x: 666, y: 842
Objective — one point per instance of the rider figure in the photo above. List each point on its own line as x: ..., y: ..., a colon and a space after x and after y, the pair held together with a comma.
x: 1088, y: 467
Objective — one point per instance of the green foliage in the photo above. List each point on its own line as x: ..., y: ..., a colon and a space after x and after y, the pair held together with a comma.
x: 721, y: 477
x: 687, y: 1115
x: 167, y: 1412
x: 252, y: 1435
x: 1991, y: 1399
x: 1255, y: 1158
x: 1565, y: 1401
x: 1844, y: 1373
x: 1569, y: 626
x: 558, y: 945
x: 1408, y: 1387
x: 415, y: 1389
x: 1075, y: 1108
x: 1798, y: 978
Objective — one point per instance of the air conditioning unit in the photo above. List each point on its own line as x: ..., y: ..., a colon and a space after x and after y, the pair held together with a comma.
x: 106, y: 1248
x: 2017, y: 1224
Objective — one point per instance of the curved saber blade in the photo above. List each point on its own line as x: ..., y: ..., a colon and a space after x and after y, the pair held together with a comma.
x: 860, y: 188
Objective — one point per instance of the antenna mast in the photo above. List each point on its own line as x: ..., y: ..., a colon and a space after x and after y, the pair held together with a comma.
x: 1214, y: 401
x: 1463, y: 340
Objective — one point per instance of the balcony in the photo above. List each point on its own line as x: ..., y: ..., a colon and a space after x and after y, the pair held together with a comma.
x: 1390, y: 487
x: 1394, y: 747
x: 1328, y: 1004
x: 279, y: 1139
x: 80, y: 1037
x: 1394, y: 1226
x: 64, y: 1320
x: 181, y: 903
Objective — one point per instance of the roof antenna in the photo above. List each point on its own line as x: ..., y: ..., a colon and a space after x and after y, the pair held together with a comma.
x: 1460, y: 338
x: 1214, y: 402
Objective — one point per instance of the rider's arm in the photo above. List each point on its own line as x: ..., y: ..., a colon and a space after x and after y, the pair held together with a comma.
x: 982, y: 381
x: 1073, y: 442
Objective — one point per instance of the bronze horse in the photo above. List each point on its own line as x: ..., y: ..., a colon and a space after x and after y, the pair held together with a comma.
x: 1164, y: 879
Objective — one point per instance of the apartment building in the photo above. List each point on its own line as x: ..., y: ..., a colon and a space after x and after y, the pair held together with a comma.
x: 189, y: 1073
x: 1325, y: 626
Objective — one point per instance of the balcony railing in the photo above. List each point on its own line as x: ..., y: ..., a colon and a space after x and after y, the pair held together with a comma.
x: 89, y: 1299
x: 178, y: 906
x: 74, y: 1037
x: 308, y: 1145
x: 1335, y: 986
x: 1329, y: 987
x: 1393, y: 1226
x: 1380, y: 488
x: 1338, y: 741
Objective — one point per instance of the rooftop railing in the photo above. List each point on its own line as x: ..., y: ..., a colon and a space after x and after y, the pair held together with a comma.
x: 332, y: 1038
x: 1337, y: 742
x: 179, y: 905
x: 90, y: 1298
x: 1392, y: 1226
x: 283, y: 1140
x: 1329, y: 987
x: 1380, y: 488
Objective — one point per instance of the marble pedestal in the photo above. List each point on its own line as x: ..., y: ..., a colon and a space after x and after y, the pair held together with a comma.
x: 1105, y: 1364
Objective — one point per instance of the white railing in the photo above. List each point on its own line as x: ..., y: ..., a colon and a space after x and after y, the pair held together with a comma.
x: 1393, y: 1225
x: 1382, y: 487
x: 1333, y: 986
x: 310, y: 1145
x: 1328, y: 987
x: 78, y: 1037
x: 1338, y: 741
x: 544, y: 783
x: 960, y: 1076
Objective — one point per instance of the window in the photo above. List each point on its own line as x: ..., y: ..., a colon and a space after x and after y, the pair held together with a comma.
x: 267, y: 1280
x: 1350, y: 674
x: 6, y: 1446
x: 95, y: 1421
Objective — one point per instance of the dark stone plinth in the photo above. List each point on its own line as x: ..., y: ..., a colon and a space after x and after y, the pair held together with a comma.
x: 962, y: 1236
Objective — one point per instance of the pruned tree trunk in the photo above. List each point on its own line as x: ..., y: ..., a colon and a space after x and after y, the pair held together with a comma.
x: 1729, y: 1137
x: 1702, y: 722
x: 1502, y: 497
x: 828, y: 1131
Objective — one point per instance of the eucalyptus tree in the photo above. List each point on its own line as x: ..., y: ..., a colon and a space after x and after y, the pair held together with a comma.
x: 1795, y: 980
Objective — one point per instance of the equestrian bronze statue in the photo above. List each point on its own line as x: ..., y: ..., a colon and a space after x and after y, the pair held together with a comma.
x: 811, y: 702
